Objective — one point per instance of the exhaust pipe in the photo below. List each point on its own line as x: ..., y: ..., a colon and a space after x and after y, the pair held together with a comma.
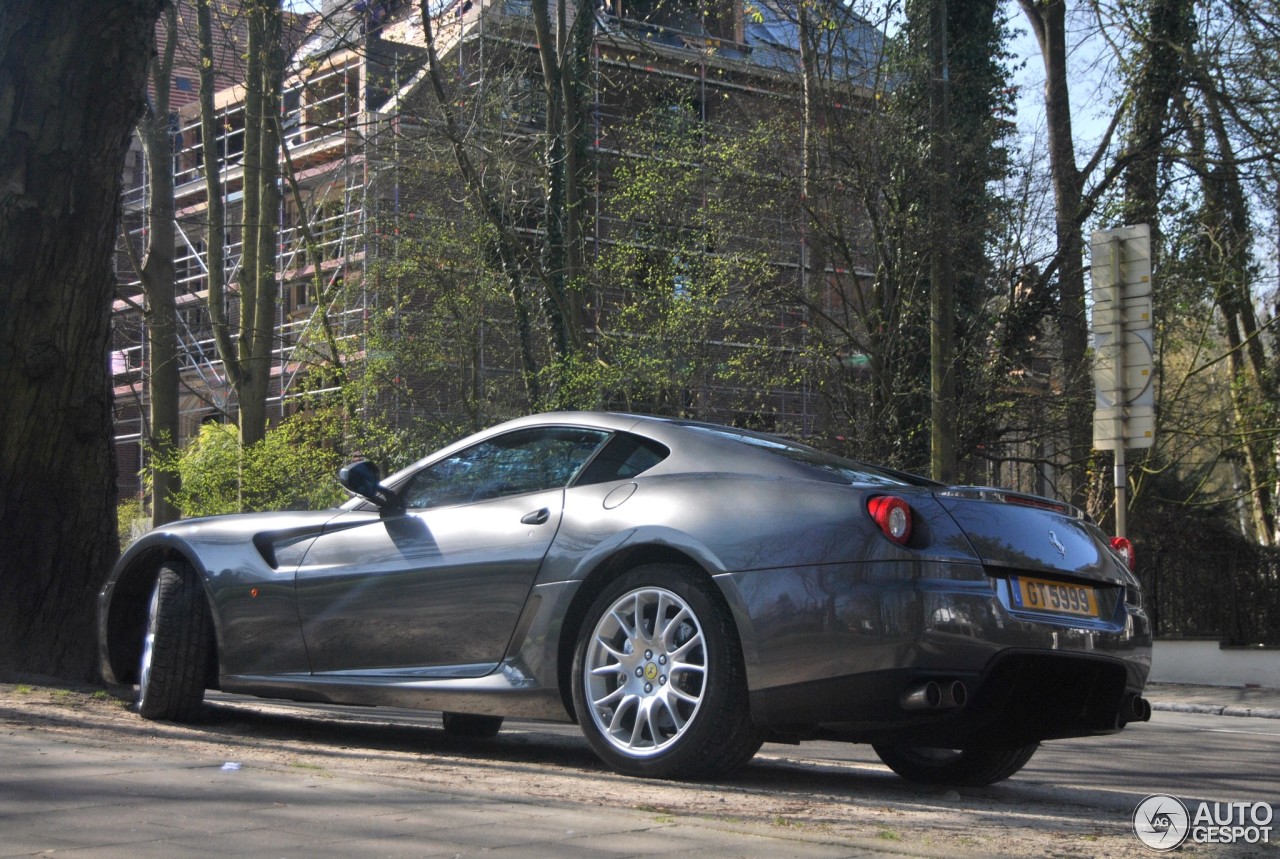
x: 922, y: 696
x: 1134, y: 709
x: 932, y: 695
x: 954, y: 694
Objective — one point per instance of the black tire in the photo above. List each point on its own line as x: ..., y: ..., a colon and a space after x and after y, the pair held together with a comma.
x: 471, y: 725
x: 175, y: 651
x: 973, y: 767
x: 680, y: 689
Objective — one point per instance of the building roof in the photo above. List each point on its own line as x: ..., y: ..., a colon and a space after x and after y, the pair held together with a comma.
x: 852, y: 47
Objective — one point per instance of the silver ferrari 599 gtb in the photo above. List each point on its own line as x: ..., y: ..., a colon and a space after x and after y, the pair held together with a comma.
x: 683, y: 591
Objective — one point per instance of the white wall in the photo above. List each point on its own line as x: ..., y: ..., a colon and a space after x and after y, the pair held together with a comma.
x: 1210, y: 664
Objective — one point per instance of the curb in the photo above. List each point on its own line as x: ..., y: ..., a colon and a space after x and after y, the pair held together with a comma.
x: 1217, y: 710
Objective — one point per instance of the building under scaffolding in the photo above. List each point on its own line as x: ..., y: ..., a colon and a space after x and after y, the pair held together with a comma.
x: 358, y: 86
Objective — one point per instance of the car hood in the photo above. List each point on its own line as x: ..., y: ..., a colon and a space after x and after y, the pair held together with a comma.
x: 1015, y: 532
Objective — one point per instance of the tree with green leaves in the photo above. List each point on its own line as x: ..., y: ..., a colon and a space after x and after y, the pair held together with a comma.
x: 880, y: 206
x: 546, y: 276
x: 442, y: 340
x: 293, y: 467
x: 690, y: 326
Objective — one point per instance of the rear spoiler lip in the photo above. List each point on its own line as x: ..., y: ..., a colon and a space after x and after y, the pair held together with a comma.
x: 1008, y: 496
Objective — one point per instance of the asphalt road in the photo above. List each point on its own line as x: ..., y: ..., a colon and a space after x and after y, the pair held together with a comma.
x: 1190, y: 755
x: 80, y: 773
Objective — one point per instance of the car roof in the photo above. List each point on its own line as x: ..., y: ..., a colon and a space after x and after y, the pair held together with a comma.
x: 696, y: 447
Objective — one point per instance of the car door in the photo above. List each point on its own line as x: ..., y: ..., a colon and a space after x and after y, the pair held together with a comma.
x: 436, y: 591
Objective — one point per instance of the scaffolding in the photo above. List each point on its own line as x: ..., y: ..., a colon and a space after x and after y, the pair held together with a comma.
x: 328, y: 129
x: 341, y: 131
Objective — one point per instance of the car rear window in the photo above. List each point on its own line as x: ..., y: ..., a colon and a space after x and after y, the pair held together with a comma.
x: 828, y: 466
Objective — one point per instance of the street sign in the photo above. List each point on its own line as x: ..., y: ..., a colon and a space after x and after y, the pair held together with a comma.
x: 1139, y: 426
x: 1124, y: 413
x: 1123, y: 338
x: 1137, y: 362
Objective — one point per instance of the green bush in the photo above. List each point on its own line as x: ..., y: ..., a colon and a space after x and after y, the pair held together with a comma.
x: 131, y: 519
x: 293, y: 468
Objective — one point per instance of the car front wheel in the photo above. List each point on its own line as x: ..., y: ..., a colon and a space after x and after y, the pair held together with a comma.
x: 972, y: 767
x: 175, y: 649
x: 658, y: 680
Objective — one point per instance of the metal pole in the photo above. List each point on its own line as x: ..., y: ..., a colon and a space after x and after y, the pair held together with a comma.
x: 1122, y: 485
x: 1119, y: 395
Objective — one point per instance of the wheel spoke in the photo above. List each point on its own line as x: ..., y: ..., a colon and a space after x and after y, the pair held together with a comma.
x: 683, y: 650
x: 605, y: 701
x: 613, y: 668
x: 672, y: 710
x: 677, y: 692
x: 638, y: 724
x: 628, y: 703
x: 655, y: 729
x: 674, y: 623
x: 628, y: 629
x: 617, y: 654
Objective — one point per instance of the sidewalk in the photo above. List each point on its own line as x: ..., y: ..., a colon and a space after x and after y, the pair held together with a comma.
x: 1214, y: 700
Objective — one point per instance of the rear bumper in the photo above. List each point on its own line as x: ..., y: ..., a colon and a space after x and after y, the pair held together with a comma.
x: 1020, y: 697
x: 834, y: 649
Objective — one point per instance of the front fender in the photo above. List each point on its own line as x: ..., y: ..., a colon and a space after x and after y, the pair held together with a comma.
x: 123, y: 601
x: 245, y: 565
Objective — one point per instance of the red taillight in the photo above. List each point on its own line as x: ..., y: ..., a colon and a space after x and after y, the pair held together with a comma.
x: 1122, y: 547
x: 893, y: 515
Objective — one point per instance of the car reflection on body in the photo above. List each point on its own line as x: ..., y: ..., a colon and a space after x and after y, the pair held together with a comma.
x: 684, y: 591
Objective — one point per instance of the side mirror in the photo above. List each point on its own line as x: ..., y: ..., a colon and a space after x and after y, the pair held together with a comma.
x: 361, y: 478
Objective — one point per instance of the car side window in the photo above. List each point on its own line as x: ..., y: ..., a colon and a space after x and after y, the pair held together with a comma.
x: 512, y: 464
x: 624, y: 456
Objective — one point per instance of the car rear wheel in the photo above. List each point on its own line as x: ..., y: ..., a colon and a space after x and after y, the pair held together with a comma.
x: 972, y: 767
x: 175, y: 649
x: 658, y: 680
x: 471, y: 725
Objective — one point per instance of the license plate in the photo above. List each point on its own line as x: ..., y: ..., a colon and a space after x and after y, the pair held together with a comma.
x: 1056, y: 597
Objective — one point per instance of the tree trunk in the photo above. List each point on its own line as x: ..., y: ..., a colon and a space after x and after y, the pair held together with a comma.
x: 258, y: 309
x: 248, y: 361
x: 71, y: 84
x: 564, y: 57
x: 158, y: 284
x: 942, y: 325
x: 1159, y: 80
x: 1229, y: 240
x: 216, y: 211
x: 1048, y: 21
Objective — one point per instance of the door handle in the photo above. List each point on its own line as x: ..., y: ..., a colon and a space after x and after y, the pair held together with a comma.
x: 537, y: 517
